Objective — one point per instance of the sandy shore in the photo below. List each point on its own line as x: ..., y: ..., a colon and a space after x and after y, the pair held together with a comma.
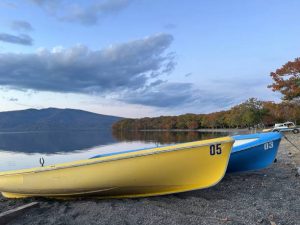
x: 270, y: 196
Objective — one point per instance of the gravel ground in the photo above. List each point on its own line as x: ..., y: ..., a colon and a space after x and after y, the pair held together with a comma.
x: 269, y: 197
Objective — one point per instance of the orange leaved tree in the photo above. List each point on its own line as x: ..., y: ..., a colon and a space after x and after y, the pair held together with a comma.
x: 287, y: 80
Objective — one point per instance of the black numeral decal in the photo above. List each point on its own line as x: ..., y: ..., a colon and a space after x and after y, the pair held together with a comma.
x: 215, y: 149
x: 212, y: 149
x: 219, y: 149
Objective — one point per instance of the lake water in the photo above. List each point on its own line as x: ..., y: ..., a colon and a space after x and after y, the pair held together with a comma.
x: 20, y: 150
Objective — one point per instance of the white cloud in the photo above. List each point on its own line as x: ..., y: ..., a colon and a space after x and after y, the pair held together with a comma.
x: 86, y: 15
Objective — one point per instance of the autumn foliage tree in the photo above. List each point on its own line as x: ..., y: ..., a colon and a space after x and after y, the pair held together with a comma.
x: 287, y: 80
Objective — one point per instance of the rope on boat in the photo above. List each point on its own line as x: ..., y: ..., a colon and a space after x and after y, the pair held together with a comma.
x: 286, y: 138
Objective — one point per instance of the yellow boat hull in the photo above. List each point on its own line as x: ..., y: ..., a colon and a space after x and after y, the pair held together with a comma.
x: 157, y: 171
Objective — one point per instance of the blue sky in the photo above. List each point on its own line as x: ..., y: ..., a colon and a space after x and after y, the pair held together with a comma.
x: 138, y: 58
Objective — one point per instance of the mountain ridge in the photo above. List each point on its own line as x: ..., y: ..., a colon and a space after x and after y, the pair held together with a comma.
x: 49, y: 119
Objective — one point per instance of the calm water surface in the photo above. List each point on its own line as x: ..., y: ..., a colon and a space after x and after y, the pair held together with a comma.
x: 22, y: 150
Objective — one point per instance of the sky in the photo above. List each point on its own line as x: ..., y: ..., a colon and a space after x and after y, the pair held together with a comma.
x: 137, y: 58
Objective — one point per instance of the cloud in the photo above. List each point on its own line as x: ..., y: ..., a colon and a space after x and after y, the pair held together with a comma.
x: 47, y: 3
x: 112, y: 70
x: 132, y: 72
x: 13, y: 99
x: 163, y: 94
x: 188, y: 74
x: 21, y: 26
x: 170, y: 26
x: 182, y: 97
x: 41, y: 2
x: 8, y: 4
x: 21, y: 39
x: 86, y: 15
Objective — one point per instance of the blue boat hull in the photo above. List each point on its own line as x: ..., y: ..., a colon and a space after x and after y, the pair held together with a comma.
x: 254, y: 155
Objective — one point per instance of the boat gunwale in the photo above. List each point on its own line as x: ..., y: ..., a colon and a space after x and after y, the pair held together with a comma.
x: 102, y: 159
x: 253, y: 146
x: 247, y: 146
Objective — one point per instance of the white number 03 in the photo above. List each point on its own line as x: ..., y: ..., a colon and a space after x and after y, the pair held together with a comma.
x: 268, y: 145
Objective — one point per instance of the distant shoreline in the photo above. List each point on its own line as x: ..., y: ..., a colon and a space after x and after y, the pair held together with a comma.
x: 221, y: 130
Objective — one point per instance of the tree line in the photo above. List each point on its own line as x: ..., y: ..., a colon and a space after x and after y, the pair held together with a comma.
x: 251, y: 113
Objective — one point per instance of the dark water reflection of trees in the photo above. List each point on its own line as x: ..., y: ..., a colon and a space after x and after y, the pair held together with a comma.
x: 69, y: 141
x: 165, y: 137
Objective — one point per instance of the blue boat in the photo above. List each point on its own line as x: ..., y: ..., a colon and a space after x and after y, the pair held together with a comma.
x: 253, y: 151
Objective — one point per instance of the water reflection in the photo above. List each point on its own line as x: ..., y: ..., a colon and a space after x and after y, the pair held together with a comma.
x: 165, y: 137
x: 55, y: 141
x: 21, y: 160
x: 23, y: 150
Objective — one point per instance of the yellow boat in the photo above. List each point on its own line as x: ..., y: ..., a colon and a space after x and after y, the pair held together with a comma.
x: 149, y: 172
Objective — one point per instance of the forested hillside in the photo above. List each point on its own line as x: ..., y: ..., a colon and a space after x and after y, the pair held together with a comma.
x: 248, y: 114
